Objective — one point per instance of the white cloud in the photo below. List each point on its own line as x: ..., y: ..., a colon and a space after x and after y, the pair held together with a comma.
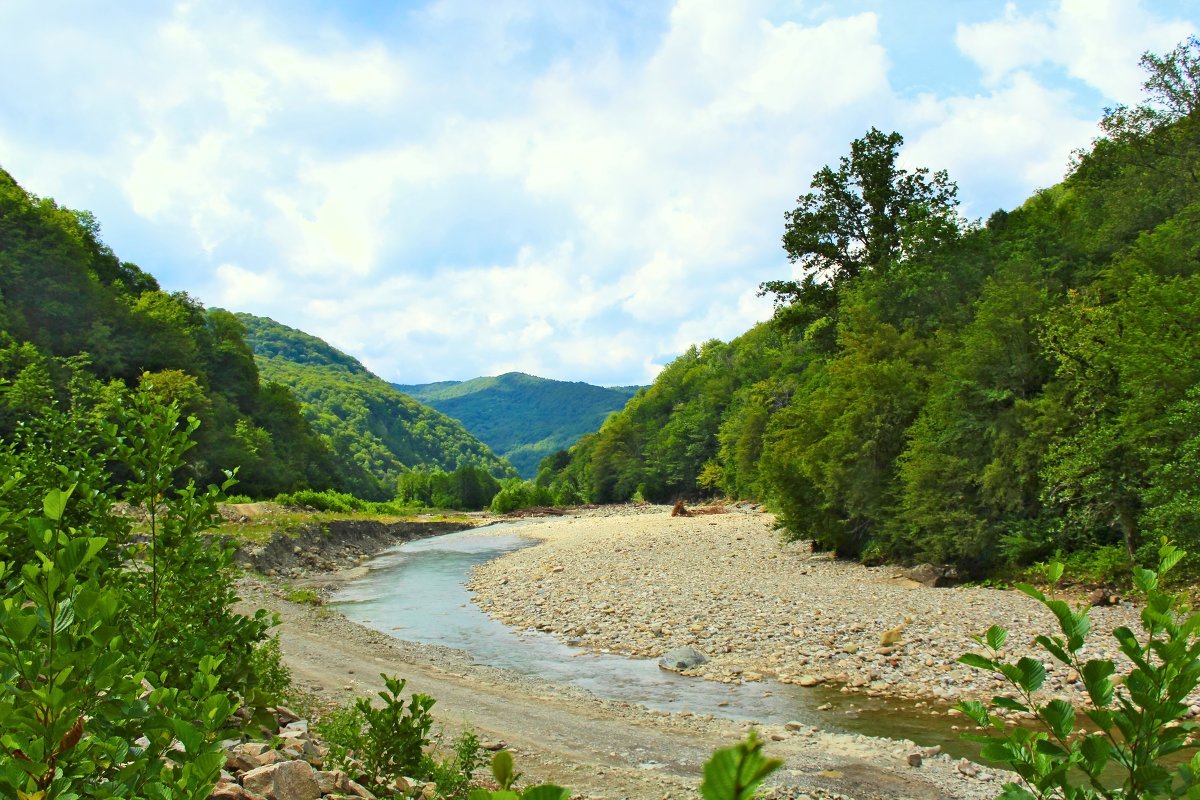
x: 558, y: 188
x: 1012, y: 139
x: 1095, y: 41
x: 241, y: 288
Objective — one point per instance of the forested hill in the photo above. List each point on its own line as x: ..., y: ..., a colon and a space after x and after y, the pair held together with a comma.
x: 368, y: 423
x: 80, y: 329
x: 522, y: 417
x: 933, y: 389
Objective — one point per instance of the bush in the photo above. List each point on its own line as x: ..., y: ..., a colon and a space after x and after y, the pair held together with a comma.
x: 455, y: 775
x: 1139, y: 716
x: 388, y: 741
x: 95, y: 654
x: 75, y: 700
x: 518, y: 494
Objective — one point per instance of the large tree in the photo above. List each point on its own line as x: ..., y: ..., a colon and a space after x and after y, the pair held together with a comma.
x: 864, y: 216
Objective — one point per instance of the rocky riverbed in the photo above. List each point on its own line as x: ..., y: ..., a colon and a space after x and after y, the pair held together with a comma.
x: 602, y: 748
x: 640, y: 582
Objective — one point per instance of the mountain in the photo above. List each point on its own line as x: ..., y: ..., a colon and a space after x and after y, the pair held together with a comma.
x: 374, y: 430
x: 522, y: 417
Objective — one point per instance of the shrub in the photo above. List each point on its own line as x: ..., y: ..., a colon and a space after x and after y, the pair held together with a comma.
x: 518, y: 494
x: 388, y: 741
x: 454, y: 775
x: 75, y: 699
x: 1139, y: 716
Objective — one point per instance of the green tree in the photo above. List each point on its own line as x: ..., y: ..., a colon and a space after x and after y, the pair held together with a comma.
x: 861, y: 217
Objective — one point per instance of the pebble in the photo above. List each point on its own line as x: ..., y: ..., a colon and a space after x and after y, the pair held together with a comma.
x: 640, y: 582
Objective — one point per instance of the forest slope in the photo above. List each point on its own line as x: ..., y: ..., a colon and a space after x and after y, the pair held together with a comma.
x: 78, y: 326
x: 933, y: 389
x: 523, y: 418
x: 370, y: 425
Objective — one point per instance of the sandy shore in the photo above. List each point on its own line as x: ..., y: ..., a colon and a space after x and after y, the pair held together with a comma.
x: 640, y: 582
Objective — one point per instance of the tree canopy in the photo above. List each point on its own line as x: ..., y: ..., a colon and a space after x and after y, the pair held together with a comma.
x: 932, y: 390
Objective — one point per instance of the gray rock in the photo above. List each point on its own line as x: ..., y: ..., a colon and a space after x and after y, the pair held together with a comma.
x: 288, y: 780
x: 681, y: 658
x: 332, y: 782
x: 931, y: 575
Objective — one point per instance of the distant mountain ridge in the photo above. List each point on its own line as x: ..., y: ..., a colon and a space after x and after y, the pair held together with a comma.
x: 373, y: 428
x: 522, y: 417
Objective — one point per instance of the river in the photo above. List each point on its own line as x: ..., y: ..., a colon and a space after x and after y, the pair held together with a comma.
x: 417, y: 591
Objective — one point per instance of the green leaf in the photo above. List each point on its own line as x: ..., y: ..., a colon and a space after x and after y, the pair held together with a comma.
x: 55, y: 502
x: 977, y: 661
x: 733, y: 773
x: 502, y: 768
x: 996, y: 637
x: 1034, y: 673
x: 1032, y: 591
x: 1060, y: 716
x: 1055, y: 647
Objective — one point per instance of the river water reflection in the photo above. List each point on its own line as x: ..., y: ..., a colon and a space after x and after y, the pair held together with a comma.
x: 417, y: 591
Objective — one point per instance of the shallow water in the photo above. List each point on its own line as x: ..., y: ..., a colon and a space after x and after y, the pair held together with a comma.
x: 417, y: 591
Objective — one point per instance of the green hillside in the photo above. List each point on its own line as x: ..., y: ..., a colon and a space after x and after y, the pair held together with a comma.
x: 376, y: 431
x: 80, y: 330
x: 521, y: 417
x: 933, y: 389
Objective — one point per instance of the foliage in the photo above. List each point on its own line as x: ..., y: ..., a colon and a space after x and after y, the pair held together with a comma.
x: 454, y: 776
x: 866, y: 216
x: 520, y: 494
x: 66, y: 295
x: 733, y: 773
x: 468, y: 487
x: 177, y: 625
x: 933, y: 390
x: 1139, y: 717
x: 274, y: 679
x: 100, y: 643
x: 521, y: 417
x: 375, y: 432
x: 389, y: 741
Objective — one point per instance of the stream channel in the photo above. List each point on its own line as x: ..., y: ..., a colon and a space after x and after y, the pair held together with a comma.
x: 417, y: 591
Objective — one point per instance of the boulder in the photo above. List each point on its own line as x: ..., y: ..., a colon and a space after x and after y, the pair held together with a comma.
x: 355, y: 789
x: 231, y: 791
x: 333, y: 782
x: 932, y: 575
x: 289, y: 780
x: 681, y: 658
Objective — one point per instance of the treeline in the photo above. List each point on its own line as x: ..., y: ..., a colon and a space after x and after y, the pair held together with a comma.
x: 934, y: 389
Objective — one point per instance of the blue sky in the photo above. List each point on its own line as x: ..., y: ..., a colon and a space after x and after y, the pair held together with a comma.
x: 577, y: 190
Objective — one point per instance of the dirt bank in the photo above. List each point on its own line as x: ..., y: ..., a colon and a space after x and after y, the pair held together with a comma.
x: 326, y: 548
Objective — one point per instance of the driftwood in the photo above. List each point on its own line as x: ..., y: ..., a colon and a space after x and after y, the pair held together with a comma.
x: 536, y: 511
x: 681, y: 510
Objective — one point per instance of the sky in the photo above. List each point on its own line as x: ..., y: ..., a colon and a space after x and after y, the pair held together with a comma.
x: 577, y: 190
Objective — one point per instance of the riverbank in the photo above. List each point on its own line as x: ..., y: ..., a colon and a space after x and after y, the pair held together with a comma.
x: 603, y: 749
x: 640, y: 582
